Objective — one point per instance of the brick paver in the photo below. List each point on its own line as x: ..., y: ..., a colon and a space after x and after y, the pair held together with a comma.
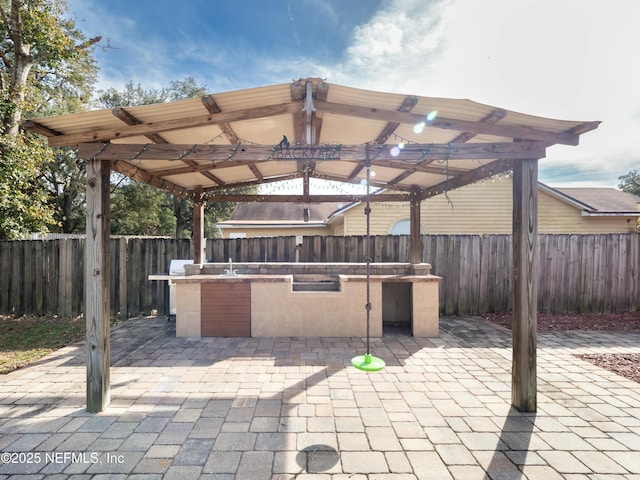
x: 294, y: 408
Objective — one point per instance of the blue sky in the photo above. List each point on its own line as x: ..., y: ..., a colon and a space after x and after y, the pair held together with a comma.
x: 568, y: 59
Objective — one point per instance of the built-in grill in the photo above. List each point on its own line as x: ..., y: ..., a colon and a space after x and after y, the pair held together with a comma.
x: 316, y: 283
x: 176, y: 268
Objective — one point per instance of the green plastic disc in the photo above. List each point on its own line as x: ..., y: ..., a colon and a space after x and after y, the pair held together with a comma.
x: 368, y: 363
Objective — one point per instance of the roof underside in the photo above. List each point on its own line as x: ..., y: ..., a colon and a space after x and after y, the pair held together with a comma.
x: 209, y: 145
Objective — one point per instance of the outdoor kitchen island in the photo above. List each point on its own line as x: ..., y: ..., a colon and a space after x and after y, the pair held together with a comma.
x: 304, y: 299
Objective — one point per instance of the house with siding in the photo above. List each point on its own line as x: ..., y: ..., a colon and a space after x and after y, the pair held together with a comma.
x: 480, y: 208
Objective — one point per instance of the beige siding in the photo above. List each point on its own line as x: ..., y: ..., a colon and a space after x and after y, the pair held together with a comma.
x: 338, y: 226
x: 383, y: 217
x: 484, y: 207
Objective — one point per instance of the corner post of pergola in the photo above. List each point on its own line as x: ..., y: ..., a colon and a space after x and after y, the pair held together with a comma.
x: 198, y: 227
x: 97, y: 285
x: 525, y: 285
x: 415, y: 246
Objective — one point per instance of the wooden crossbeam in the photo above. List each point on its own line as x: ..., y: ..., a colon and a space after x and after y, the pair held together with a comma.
x: 223, y: 153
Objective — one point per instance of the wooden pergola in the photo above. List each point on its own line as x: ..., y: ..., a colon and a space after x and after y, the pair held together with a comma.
x: 204, y: 147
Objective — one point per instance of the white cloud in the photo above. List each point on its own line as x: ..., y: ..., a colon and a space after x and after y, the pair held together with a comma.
x: 568, y: 59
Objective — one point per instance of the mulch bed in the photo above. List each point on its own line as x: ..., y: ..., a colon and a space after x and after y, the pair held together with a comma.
x: 624, y: 364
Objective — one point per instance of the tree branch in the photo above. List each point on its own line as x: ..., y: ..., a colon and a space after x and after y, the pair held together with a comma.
x: 88, y: 43
x: 5, y: 20
x: 15, y: 26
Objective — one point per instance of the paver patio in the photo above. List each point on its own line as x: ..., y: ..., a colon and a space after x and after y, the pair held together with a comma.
x: 293, y: 407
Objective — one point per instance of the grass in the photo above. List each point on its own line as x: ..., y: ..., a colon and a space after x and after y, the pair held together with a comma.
x: 25, y: 339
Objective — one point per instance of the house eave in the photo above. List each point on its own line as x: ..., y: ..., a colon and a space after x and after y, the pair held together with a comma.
x: 609, y: 214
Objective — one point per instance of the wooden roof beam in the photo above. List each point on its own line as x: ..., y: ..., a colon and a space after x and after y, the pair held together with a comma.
x: 256, y: 172
x: 39, y: 128
x: 406, y: 106
x: 131, y: 171
x: 105, y: 134
x: 251, y: 183
x: 212, y: 107
x: 202, y: 167
x: 374, y: 182
x: 495, y: 116
x: 508, y: 131
x: 410, y: 167
x: 129, y: 119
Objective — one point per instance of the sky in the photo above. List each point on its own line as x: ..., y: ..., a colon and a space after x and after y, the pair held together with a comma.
x: 564, y: 59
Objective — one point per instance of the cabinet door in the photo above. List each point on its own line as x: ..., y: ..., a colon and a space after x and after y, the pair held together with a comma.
x: 226, y: 309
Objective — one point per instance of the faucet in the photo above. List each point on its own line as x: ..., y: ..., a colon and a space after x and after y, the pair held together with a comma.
x: 230, y: 271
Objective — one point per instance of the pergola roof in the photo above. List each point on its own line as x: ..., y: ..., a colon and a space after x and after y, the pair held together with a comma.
x: 201, y: 147
x: 208, y: 145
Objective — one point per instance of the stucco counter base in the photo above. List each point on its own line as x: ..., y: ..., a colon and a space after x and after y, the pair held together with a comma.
x: 266, y: 305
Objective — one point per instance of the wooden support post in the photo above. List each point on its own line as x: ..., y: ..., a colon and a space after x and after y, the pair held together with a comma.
x: 198, y: 230
x: 525, y: 285
x: 97, y: 278
x: 415, y: 247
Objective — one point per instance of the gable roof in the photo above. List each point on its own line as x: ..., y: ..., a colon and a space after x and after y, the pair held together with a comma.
x: 207, y: 145
x: 598, y: 201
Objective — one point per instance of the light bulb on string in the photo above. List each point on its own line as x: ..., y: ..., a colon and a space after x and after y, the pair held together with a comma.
x: 431, y: 116
x: 419, y: 127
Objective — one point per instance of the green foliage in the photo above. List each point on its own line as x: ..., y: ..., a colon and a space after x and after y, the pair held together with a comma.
x: 630, y: 182
x: 134, y: 95
x: 140, y: 209
x: 47, y: 63
x: 46, y: 68
x: 65, y: 179
x: 23, y: 203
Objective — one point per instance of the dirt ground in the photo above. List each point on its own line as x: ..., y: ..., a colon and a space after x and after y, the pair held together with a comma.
x: 626, y: 364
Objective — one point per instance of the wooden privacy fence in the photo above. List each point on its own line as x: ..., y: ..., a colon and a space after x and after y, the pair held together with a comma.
x: 577, y: 273
x: 47, y: 276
